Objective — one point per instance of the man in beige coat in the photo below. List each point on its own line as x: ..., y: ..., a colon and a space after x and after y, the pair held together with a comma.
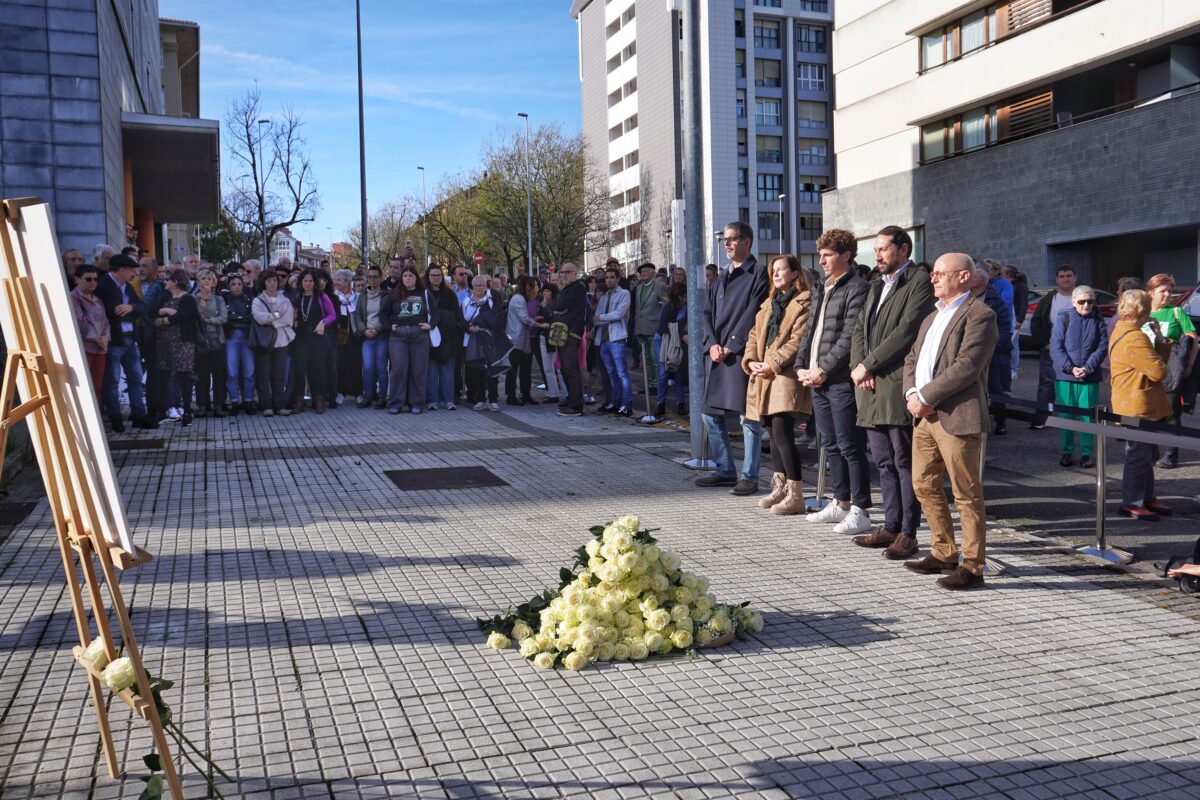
x: 945, y: 387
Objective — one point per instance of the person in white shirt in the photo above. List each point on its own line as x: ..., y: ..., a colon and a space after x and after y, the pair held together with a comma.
x: 945, y: 389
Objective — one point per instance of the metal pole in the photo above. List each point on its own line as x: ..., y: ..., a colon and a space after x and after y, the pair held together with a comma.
x: 819, y: 502
x: 424, y: 230
x: 1101, y: 550
x: 528, y: 198
x: 262, y: 197
x: 694, y: 222
x: 782, y: 245
x: 362, y: 134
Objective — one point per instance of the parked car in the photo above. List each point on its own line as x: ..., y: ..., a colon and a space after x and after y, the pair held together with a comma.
x: 1106, y: 303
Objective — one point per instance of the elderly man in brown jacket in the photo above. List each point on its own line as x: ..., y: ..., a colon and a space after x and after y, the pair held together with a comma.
x: 945, y: 387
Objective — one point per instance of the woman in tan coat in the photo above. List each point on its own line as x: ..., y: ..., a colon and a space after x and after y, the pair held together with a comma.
x: 1137, y: 371
x: 774, y: 396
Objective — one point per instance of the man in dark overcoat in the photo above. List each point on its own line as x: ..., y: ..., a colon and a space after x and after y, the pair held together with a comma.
x: 733, y: 301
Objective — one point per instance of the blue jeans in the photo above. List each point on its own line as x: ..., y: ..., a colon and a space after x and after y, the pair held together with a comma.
x: 239, y: 367
x: 620, y: 391
x: 128, y: 359
x: 718, y: 442
x: 439, y: 385
x: 375, y: 367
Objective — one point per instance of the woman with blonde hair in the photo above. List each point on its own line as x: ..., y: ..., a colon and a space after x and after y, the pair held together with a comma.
x: 773, y: 395
x: 1137, y: 371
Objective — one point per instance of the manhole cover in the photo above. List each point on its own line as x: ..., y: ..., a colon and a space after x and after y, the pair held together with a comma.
x: 136, y: 444
x: 14, y: 513
x: 415, y: 480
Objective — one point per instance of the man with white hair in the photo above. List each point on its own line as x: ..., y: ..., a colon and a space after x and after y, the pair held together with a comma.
x: 101, y: 254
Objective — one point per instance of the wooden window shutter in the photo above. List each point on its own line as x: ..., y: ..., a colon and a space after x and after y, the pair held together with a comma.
x: 1029, y: 114
x: 1022, y: 13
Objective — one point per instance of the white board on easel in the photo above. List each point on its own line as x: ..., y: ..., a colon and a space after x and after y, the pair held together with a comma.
x: 37, y: 258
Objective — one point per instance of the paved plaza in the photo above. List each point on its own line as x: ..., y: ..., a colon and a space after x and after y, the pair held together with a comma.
x: 320, y: 625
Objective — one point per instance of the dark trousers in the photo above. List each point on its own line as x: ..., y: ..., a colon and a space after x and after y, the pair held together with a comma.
x: 331, y: 365
x: 349, y: 368
x: 210, y: 371
x: 1137, y: 481
x: 481, y: 388
x: 409, y: 352
x: 836, y: 415
x: 785, y: 458
x: 891, y: 450
x: 161, y: 381
x: 270, y: 367
x: 460, y: 366
x: 1045, y: 390
x: 522, y: 371
x: 568, y: 356
x: 309, y: 355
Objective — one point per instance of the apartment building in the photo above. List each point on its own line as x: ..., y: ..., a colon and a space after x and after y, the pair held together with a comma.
x: 99, y: 105
x: 765, y: 102
x: 1038, y: 132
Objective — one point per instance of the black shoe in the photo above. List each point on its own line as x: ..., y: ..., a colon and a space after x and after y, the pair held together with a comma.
x: 1165, y: 463
x: 364, y: 403
x: 744, y: 487
x: 607, y: 408
x: 145, y: 424
x: 186, y: 419
x: 234, y: 408
x: 660, y: 410
x: 570, y: 411
x: 250, y: 408
x: 1001, y: 429
x: 512, y: 401
x: 682, y: 410
x: 1067, y: 460
x: 219, y: 412
x: 550, y: 400
x: 118, y: 425
x: 1087, y: 462
x: 717, y: 480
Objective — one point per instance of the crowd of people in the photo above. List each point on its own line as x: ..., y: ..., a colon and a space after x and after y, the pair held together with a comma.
x: 894, y: 366
x: 195, y: 339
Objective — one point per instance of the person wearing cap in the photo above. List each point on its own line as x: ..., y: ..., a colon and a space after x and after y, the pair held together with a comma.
x: 123, y: 307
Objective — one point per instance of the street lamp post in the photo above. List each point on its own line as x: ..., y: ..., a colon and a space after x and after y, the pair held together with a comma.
x: 262, y: 196
x: 528, y: 198
x: 362, y: 141
x: 424, y: 211
x: 782, y: 245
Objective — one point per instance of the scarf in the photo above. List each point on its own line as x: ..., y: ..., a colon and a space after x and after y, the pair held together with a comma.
x: 778, y: 305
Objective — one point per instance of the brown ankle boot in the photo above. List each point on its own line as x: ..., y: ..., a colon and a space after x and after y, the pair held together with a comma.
x: 793, y: 502
x: 778, y: 491
x: 319, y: 405
x: 298, y: 405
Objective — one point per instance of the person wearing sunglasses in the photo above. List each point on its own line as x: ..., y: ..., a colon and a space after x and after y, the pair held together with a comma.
x: 1078, y: 344
x: 93, y: 323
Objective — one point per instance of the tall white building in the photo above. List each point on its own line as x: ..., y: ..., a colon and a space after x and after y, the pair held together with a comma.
x: 1038, y: 132
x: 765, y: 103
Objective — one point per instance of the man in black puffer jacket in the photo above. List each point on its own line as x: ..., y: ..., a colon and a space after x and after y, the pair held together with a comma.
x: 570, y: 307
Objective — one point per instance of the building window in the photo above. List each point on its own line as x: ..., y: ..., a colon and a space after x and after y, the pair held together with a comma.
x: 810, y: 188
x: 628, y: 15
x: 741, y: 103
x: 811, y: 114
x: 810, y: 39
x: 741, y: 142
x: 766, y: 33
x: 810, y: 226
x: 810, y: 77
x: 980, y: 127
x: 739, y: 24
x: 769, y: 3
x: 768, y: 225
x: 743, y: 191
x: 812, y: 151
x: 614, y: 133
x: 966, y: 35
x: 769, y: 148
x: 814, y: 5
x: 739, y: 66
x: 769, y: 187
x: 766, y: 72
x: 766, y: 112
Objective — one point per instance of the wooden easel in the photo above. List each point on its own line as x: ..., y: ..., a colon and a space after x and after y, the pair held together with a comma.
x: 77, y: 520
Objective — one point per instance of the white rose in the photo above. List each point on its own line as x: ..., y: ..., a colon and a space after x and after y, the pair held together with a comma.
x: 544, y: 661
x: 658, y: 619
x: 95, y: 654
x: 682, y: 638
x: 498, y: 641
x: 638, y: 651
x: 604, y: 652
x: 629, y: 524
x: 652, y: 553
x: 592, y: 548
x: 521, y: 631
x: 119, y: 674
x: 755, y: 623
x: 529, y: 648
x: 576, y: 661
x: 622, y: 541
x: 620, y: 651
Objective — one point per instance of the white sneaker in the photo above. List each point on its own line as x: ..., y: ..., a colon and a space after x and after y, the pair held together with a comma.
x: 830, y: 513
x: 174, y: 413
x: 479, y: 407
x: 493, y: 406
x: 856, y: 521
x: 448, y: 406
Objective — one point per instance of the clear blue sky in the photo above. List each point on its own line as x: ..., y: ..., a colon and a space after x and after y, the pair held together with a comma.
x: 440, y: 77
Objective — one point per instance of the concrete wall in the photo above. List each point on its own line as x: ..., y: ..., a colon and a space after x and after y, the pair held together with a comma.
x: 1133, y: 171
x: 66, y: 74
x: 659, y: 148
x: 594, y: 95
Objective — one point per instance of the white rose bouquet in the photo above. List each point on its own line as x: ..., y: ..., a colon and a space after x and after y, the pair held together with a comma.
x: 624, y: 598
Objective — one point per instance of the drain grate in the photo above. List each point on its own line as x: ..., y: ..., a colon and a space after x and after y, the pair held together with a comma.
x: 13, y: 513
x: 415, y: 480
x: 136, y: 444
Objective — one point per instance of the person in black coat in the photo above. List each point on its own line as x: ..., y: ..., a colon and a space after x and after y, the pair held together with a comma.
x: 732, y: 303
x: 571, y: 308
x: 124, y: 308
x: 439, y: 388
x: 484, y: 315
x: 1000, y: 367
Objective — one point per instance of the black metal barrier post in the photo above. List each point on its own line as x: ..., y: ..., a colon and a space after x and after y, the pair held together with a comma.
x: 818, y: 502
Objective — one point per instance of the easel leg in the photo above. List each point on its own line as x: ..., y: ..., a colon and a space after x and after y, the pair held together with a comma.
x: 106, y: 737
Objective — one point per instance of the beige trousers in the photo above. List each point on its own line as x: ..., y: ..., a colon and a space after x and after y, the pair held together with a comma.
x: 935, y: 451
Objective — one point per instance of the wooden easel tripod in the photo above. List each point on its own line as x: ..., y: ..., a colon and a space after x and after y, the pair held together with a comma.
x: 78, y: 521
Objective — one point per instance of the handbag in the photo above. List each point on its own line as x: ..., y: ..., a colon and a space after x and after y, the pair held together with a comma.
x: 558, y: 334
x: 1177, y: 364
x: 262, y: 337
x: 435, y: 335
x: 670, y: 353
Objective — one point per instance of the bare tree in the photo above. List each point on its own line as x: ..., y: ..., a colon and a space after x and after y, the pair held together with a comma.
x: 274, y: 190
